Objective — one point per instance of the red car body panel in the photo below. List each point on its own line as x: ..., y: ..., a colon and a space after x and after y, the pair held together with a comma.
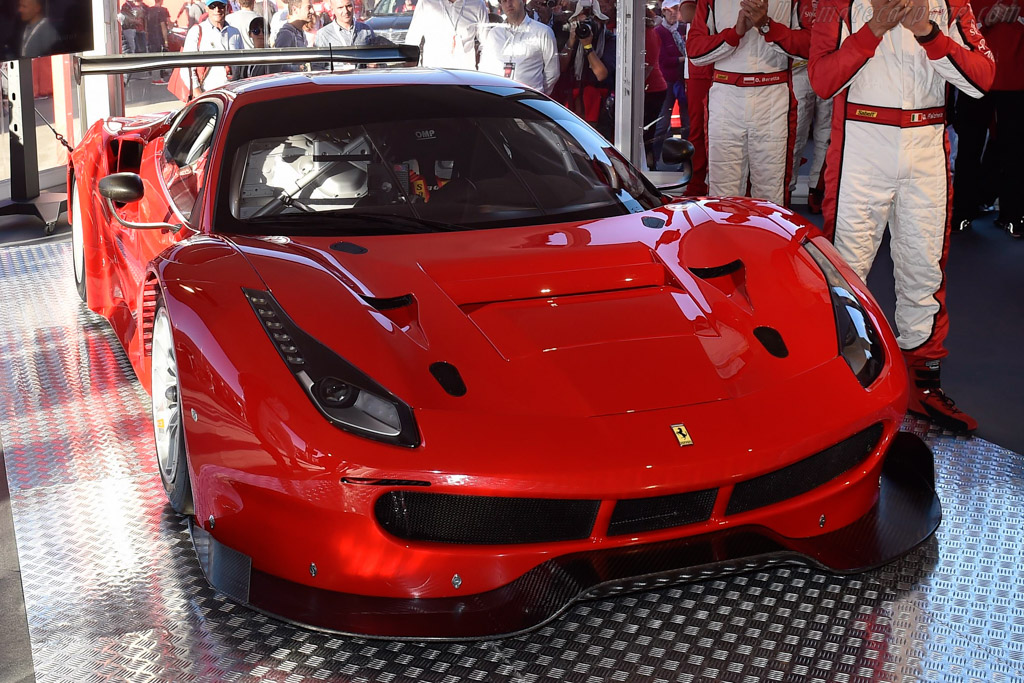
x: 580, y: 345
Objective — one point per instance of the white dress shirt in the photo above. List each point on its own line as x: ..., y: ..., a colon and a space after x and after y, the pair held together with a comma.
x: 212, y: 39
x: 524, y: 53
x: 449, y: 31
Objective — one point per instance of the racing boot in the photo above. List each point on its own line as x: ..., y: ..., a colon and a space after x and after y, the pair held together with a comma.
x: 1015, y: 228
x: 814, y: 199
x: 928, y: 400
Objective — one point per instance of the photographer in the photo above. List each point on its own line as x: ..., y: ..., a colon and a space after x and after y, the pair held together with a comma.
x: 589, y: 63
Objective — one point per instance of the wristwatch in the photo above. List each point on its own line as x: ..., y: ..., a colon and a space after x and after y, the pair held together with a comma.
x: 765, y: 27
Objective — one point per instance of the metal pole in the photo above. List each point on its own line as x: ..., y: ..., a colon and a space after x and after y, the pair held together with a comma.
x: 24, y: 160
x: 629, y: 80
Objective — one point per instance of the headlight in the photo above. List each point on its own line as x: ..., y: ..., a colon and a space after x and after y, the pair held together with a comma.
x: 858, y: 338
x: 339, y: 390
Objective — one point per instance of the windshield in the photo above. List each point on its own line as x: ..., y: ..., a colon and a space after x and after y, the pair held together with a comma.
x: 433, y: 157
x: 393, y: 7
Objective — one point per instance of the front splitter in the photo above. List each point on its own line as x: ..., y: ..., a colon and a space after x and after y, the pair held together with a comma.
x: 906, y: 514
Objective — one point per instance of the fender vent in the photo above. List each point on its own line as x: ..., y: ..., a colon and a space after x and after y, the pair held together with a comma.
x: 662, y: 512
x: 717, y: 271
x: 349, y: 248
x: 807, y: 474
x: 447, y: 375
x: 771, y: 340
x: 484, y: 520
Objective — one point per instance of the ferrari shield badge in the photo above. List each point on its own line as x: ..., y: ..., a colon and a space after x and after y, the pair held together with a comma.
x: 682, y: 436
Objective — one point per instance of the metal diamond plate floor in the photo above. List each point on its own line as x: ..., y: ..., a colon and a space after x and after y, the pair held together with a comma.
x: 113, y: 590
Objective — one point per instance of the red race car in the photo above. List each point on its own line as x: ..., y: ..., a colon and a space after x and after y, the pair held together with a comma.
x: 429, y: 359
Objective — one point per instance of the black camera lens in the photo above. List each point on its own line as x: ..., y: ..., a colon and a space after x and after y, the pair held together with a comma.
x: 583, y: 30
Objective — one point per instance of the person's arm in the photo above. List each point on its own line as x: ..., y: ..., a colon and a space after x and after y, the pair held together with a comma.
x: 668, y: 55
x: 793, y: 40
x: 705, y: 44
x: 962, y: 58
x: 832, y: 66
x: 550, y: 53
x: 414, y: 36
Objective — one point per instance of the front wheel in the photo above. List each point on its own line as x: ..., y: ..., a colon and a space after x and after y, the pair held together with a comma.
x: 77, y: 244
x: 168, y: 422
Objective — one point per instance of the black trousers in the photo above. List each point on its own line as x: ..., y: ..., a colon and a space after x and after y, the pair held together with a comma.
x: 985, y: 170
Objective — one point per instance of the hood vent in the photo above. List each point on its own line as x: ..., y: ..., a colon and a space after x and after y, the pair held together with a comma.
x: 717, y: 271
x: 349, y: 248
x: 388, y: 303
x: 447, y: 375
x: 771, y: 340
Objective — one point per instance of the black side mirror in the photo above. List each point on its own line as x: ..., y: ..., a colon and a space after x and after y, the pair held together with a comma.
x: 122, y: 187
x: 675, y: 151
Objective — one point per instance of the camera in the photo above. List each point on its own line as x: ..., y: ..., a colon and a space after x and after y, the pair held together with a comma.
x: 584, y: 28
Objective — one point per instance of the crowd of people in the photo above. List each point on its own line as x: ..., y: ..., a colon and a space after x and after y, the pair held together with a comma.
x: 752, y: 81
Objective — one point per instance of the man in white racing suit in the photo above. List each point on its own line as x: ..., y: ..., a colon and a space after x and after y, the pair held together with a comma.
x: 887, y: 64
x: 751, y: 113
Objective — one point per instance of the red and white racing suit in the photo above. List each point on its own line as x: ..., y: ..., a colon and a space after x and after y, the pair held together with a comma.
x: 751, y: 114
x: 889, y: 157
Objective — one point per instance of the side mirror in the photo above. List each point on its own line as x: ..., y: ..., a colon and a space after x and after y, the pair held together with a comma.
x: 124, y: 188
x: 675, y: 151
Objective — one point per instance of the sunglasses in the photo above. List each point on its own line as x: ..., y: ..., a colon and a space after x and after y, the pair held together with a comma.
x: 217, y: 6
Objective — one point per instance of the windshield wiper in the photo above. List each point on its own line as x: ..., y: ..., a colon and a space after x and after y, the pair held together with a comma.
x: 410, y: 223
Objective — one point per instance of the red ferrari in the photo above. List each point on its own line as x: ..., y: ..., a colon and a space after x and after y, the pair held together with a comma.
x: 429, y: 359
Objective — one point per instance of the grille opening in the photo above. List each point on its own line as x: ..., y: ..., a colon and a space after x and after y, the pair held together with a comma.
x: 484, y: 520
x: 807, y: 474
x: 637, y: 515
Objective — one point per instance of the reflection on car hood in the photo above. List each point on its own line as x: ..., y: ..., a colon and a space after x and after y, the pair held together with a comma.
x: 599, y: 318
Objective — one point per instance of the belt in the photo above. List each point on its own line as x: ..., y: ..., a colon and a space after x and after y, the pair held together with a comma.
x: 890, y: 116
x: 750, y: 80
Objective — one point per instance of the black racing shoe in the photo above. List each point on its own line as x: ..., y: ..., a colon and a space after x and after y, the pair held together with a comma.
x: 928, y: 400
x: 1014, y: 228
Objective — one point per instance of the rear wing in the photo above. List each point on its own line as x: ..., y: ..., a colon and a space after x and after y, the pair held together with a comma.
x: 124, y: 64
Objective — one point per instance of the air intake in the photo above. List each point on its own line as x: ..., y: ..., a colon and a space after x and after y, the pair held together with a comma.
x: 484, y: 520
x: 637, y: 515
x: 807, y: 474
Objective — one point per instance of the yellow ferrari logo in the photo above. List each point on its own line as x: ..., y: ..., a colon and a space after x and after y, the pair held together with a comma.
x: 160, y: 423
x: 682, y: 436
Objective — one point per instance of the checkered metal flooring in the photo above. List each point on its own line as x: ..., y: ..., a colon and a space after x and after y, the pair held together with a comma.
x: 114, y: 592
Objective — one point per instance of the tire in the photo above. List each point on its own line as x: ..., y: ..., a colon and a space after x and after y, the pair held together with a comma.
x: 77, y: 242
x: 168, y: 421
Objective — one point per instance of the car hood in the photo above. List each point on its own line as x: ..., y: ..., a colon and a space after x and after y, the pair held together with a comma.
x: 620, y: 315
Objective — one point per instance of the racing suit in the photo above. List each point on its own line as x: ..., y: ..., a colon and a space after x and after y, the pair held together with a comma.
x: 889, y: 157
x: 751, y: 113
x: 813, y: 114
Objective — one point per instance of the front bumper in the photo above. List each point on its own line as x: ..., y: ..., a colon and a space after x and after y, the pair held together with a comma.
x: 906, y: 514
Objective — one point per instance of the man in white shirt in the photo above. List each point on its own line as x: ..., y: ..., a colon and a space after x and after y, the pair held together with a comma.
x: 212, y: 34
x: 241, y: 19
x: 521, y: 49
x: 449, y: 32
x: 344, y: 31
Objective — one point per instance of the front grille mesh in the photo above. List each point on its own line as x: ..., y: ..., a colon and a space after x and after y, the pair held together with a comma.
x: 449, y: 518
x: 807, y: 474
x: 637, y: 515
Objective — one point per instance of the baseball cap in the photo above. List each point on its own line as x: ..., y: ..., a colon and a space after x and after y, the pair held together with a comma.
x: 669, y: 4
x: 215, y: 2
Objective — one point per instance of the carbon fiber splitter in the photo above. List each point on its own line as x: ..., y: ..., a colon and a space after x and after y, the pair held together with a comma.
x: 114, y: 592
